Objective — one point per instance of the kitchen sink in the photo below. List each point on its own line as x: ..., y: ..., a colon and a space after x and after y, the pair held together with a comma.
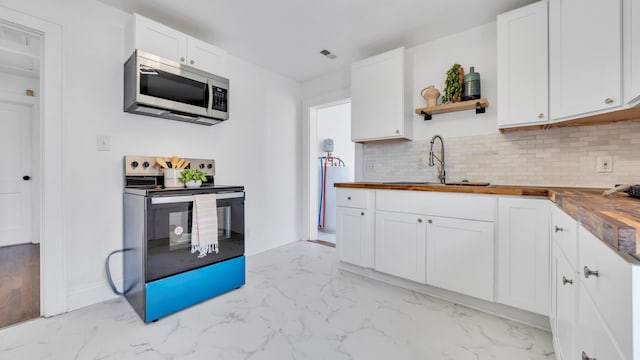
x: 411, y: 183
x: 423, y: 183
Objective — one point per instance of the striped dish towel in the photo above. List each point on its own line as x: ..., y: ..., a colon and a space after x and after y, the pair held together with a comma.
x: 204, y: 227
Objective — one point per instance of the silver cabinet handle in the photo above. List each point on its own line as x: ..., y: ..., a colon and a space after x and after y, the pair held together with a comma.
x: 608, y: 101
x: 540, y: 116
x: 397, y: 131
x: 182, y: 59
x: 558, y: 229
x: 566, y: 281
x: 419, y: 220
x: 588, y: 272
x: 586, y: 357
x: 192, y: 62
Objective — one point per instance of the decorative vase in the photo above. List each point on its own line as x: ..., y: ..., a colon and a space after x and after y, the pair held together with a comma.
x: 171, y: 177
x: 471, y: 86
x: 430, y: 94
x: 193, y: 183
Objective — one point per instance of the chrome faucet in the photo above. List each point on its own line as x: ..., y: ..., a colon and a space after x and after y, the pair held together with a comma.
x: 441, y: 172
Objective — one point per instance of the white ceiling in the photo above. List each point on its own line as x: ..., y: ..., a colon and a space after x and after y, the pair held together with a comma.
x: 286, y: 36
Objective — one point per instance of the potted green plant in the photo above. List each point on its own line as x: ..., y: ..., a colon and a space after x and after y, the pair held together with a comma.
x: 453, y: 84
x: 192, y: 177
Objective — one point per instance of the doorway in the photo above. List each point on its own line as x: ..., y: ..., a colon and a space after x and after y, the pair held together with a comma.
x: 20, y: 63
x: 334, y: 154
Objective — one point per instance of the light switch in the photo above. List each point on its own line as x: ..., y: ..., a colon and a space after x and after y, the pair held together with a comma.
x: 104, y: 142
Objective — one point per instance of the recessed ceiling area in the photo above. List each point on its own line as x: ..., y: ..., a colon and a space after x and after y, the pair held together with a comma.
x: 286, y: 36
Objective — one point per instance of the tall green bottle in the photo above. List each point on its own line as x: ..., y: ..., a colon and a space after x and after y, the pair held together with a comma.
x: 471, y: 89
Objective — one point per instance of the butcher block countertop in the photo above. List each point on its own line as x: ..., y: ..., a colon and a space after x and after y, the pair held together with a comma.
x: 614, y: 219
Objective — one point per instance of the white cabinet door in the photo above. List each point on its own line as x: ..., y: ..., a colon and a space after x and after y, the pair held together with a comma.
x: 566, y: 283
x: 400, y: 245
x: 206, y: 57
x: 631, y: 51
x: 460, y: 256
x: 523, y: 253
x: 607, y: 278
x: 585, y: 56
x: 523, y: 71
x: 378, y: 98
x: 593, y: 338
x: 354, y: 238
x: 159, y: 39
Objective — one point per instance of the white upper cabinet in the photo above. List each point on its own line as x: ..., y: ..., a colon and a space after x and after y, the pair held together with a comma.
x: 380, y: 102
x: 585, y: 52
x: 171, y: 44
x: 523, y: 87
x: 631, y: 60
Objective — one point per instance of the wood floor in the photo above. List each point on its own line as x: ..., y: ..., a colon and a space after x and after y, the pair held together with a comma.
x: 19, y: 283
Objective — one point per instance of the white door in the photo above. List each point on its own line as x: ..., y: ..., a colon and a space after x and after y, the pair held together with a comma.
x: 15, y: 193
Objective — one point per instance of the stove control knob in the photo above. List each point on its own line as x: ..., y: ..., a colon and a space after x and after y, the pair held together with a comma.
x: 210, y: 166
x: 134, y: 164
x: 201, y: 166
x: 145, y: 164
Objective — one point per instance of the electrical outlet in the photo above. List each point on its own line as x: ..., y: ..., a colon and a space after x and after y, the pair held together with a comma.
x: 103, y: 143
x: 370, y: 166
x: 604, y: 164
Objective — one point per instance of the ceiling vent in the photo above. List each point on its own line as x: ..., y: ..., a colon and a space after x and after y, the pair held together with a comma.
x: 328, y: 54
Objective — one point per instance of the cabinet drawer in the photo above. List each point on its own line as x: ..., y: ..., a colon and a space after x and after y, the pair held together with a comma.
x: 354, y: 198
x: 610, y: 288
x: 459, y: 206
x: 564, y: 232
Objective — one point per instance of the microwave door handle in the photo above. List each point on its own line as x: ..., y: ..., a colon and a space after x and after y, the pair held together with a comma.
x: 210, y: 107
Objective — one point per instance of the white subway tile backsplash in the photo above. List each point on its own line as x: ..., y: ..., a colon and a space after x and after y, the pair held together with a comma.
x: 560, y: 156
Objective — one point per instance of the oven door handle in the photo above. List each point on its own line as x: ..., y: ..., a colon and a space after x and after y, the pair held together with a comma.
x: 182, y: 199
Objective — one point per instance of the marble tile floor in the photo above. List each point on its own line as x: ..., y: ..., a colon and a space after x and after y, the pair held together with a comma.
x: 296, y: 304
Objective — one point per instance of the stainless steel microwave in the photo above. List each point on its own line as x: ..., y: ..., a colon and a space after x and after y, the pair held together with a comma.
x: 163, y: 88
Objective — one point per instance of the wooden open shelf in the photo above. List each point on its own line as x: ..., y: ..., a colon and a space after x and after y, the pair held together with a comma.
x: 479, y: 105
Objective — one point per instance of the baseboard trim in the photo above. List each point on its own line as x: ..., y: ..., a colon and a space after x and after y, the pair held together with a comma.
x: 91, y: 294
x: 504, y: 311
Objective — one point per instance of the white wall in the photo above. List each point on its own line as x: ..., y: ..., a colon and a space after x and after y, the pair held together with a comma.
x: 475, y: 47
x: 257, y: 147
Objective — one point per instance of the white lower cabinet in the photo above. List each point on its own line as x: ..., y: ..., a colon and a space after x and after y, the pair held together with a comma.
x: 593, y: 339
x: 523, y: 253
x: 354, y: 236
x: 354, y: 226
x: 400, y: 245
x: 592, y: 306
x: 566, y: 280
x: 460, y: 256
